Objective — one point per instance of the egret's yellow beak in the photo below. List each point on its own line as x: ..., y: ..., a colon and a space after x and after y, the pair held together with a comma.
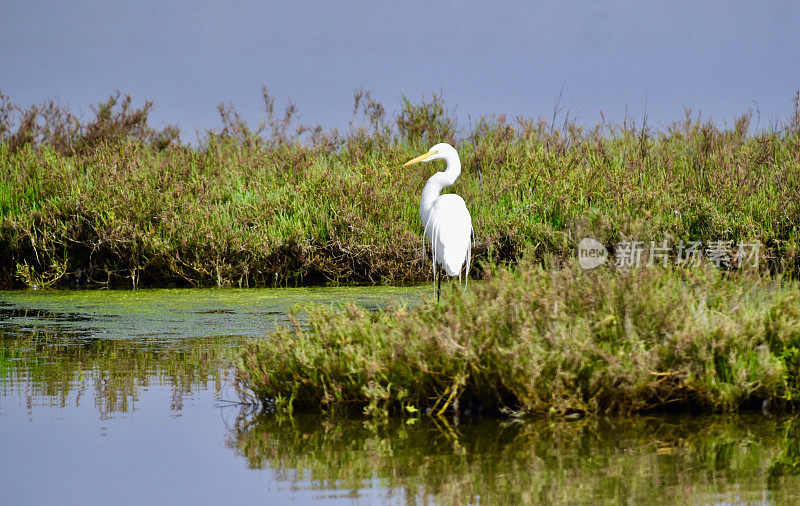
x: 420, y: 158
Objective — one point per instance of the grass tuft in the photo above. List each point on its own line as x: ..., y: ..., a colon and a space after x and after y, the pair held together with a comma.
x: 534, y: 341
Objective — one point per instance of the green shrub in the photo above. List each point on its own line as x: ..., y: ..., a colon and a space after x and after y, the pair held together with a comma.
x: 535, y: 341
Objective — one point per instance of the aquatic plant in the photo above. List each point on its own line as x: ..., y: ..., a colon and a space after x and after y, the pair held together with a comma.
x: 536, y: 341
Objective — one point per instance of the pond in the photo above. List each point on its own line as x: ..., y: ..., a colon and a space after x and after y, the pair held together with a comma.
x: 124, y: 397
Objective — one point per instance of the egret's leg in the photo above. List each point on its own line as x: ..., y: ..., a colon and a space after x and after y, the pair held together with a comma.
x: 439, y: 289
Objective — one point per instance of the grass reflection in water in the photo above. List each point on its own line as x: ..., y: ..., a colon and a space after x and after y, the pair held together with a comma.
x: 61, y: 369
x: 640, y: 459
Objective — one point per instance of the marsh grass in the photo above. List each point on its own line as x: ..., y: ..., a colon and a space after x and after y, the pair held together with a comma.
x: 118, y: 202
x: 534, y: 341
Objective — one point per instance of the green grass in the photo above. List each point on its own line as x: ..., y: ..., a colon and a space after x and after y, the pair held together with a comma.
x: 532, y: 341
x: 252, y: 207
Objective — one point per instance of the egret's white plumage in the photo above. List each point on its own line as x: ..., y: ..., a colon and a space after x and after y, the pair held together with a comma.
x: 445, y: 218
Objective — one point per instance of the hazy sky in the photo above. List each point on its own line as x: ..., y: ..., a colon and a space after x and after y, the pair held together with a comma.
x: 716, y: 57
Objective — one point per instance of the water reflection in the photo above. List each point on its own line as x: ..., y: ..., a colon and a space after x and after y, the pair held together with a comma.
x: 131, y: 386
x: 58, y: 347
x: 62, y: 369
x: 78, y: 360
x: 645, y: 459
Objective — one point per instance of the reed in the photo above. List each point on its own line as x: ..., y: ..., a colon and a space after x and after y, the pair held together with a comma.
x: 114, y: 201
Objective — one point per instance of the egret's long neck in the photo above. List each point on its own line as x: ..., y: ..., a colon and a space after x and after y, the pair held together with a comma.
x: 436, y: 183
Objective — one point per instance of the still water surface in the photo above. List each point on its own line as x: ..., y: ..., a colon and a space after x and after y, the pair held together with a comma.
x: 122, y: 397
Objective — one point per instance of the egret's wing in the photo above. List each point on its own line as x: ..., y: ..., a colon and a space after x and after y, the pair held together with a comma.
x: 451, y: 232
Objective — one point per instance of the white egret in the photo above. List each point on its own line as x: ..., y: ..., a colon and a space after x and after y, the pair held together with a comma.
x: 445, y: 218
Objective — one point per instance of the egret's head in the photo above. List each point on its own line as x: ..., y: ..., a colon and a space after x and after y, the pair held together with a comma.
x: 437, y: 152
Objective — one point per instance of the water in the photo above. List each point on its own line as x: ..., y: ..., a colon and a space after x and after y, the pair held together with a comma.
x: 123, y: 397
